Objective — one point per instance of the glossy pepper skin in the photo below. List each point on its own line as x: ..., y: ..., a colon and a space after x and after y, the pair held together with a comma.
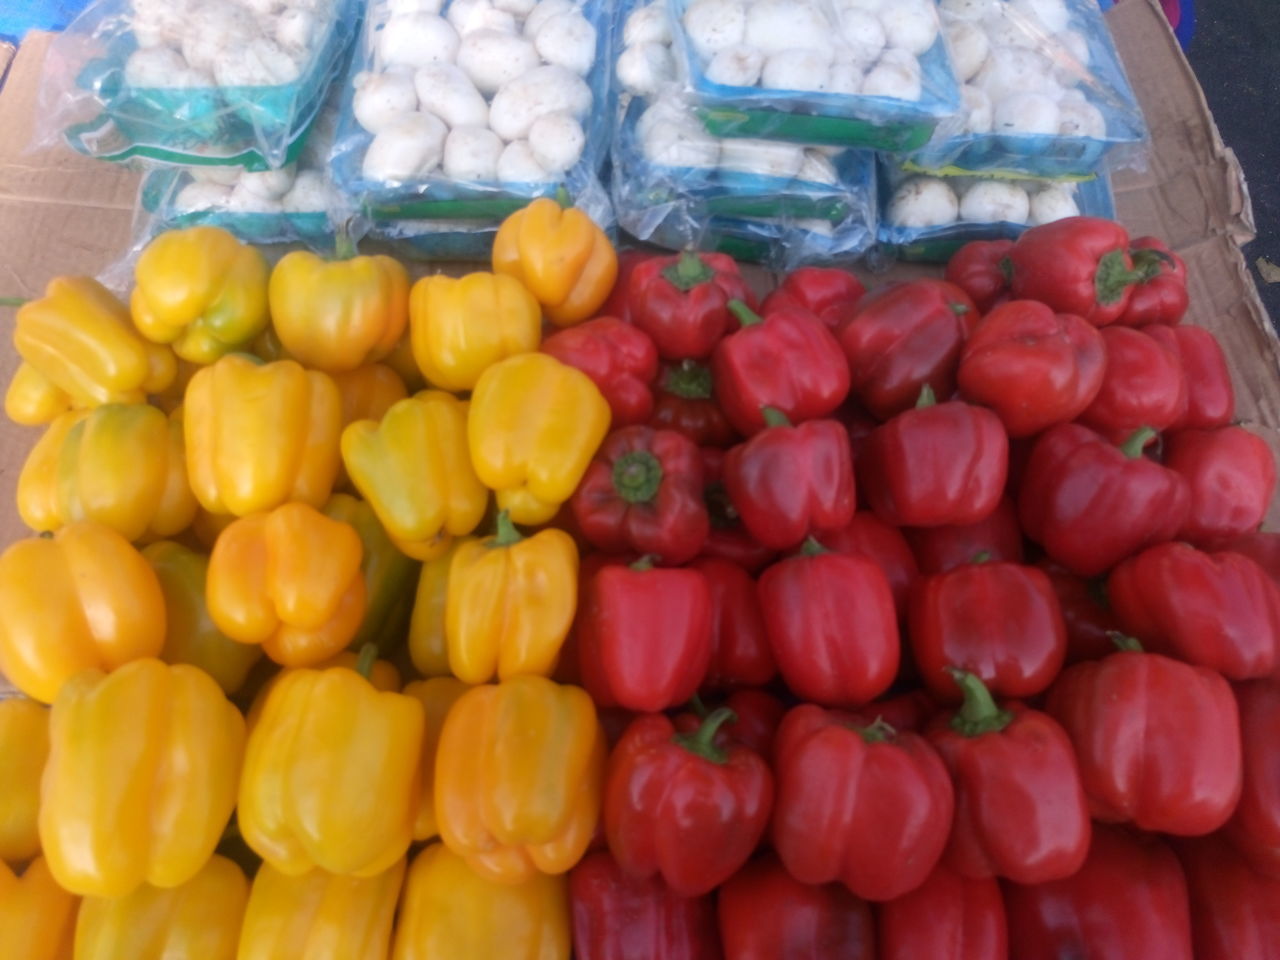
x: 1254, y: 827
x: 32, y: 399
x: 756, y: 718
x: 764, y: 913
x: 1160, y: 295
x: 84, y: 599
x: 1158, y: 741
x: 684, y: 401
x: 461, y: 326
x: 740, y: 653
x: 829, y: 293
x: 533, y: 427
x: 1091, y: 504
x: 437, y: 696
x: 620, y: 359
x: 1235, y: 911
x: 449, y: 910
x: 414, y: 468
x: 1080, y: 265
x: 982, y: 270
x: 1086, y: 613
x: 1211, y: 398
x: 679, y: 805
x: 368, y: 392
x: 141, y: 777
x: 1144, y: 386
x: 1231, y: 475
x: 998, y: 536
x: 682, y: 302
x: 867, y: 536
x: 1128, y: 902
x: 37, y: 917
x: 427, y: 641
x: 199, y: 919
x: 560, y: 256
x: 300, y: 807
x: 519, y: 775
x: 728, y: 539
x: 904, y: 337
x: 948, y: 917
x: 259, y: 435
x: 24, y: 747
x: 858, y: 803
x: 201, y: 290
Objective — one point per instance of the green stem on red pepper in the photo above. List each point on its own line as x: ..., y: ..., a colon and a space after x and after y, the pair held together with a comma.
x: 746, y: 316
x: 1137, y: 442
x: 690, y: 380
x: 880, y: 731
x: 812, y: 548
x: 703, y: 740
x: 637, y: 476
x: 688, y: 272
x: 1114, y: 277
x: 644, y: 563
x: 1124, y: 643
x: 773, y: 417
x: 979, y: 713
x: 927, y: 398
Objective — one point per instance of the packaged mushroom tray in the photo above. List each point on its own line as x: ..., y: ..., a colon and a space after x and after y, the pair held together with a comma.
x: 779, y: 243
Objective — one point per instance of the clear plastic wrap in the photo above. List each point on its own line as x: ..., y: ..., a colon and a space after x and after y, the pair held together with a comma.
x: 780, y: 244
x: 195, y: 82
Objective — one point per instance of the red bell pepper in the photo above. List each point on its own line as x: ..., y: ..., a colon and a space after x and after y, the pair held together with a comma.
x: 1032, y: 366
x: 1231, y: 475
x: 1144, y: 386
x: 1262, y: 548
x: 643, y: 492
x: 858, y: 422
x: 1254, y: 828
x: 1021, y: 812
x: 864, y: 805
x: 740, y: 654
x: 617, y: 305
x: 1216, y: 610
x: 1211, y: 399
x: 982, y: 270
x: 1160, y: 295
x: 682, y: 302
x: 1235, y: 910
x: 728, y: 539
x: 1091, y: 504
x: 949, y: 917
x: 618, y: 917
x: 1080, y: 265
x: 1128, y: 902
x: 678, y: 805
x: 786, y: 360
x: 757, y: 715
x: 684, y: 402
x: 830, y: 294
x: 939, y: 549
x: 941, y: 464
x: 643, y: 635
x: 998, y: 620
x: 620, y: 359
x: 788, y: 481
x: 1157, y: 740
x: 832, y: 626
x: 903, y: 337
x: 766, y: 914
x: 909, y: 711
x: 1085, y: 612
x: 866, y: 536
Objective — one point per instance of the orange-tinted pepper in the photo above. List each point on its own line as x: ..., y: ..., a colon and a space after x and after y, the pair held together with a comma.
x: 37, y: 917
x: 437, y: 696
x: 24, y: 747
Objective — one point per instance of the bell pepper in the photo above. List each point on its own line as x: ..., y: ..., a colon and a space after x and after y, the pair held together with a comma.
x: 402, y: 362
x: 259, y: 435
x: 1085, y: 612
x: 31, y: 398
x: 37, y: 917
x: 682, y: 302
x: 367, y: 393
x: 382, y: 675
x: 643, y: 493
x: 437, y: 696
x: 941, y: 464
x: 200, y: 918
x: 1262, y: 547
x: 319, y: 915
x: 1128, y: 902
x: 1091, y: 504
x: 1032, y: 366
x: 1211, y: 399
x: 427, y: 641
x: 461, y: 326
x: 24, y: 747
x: 740, y: 654
x: 728, y: 539
x: 1160, y: 295
x: 618, y: 304
x: 519, y: 774
x: 789, y: 481
x: 908, y: 711
x: 1231, y: 474
x: 39, y: 483
x: 680, y: 806
x: 83, y: 599
x: 948, y: 917
x: 77, y: 339
x: 832, y: 625
x: 644, y: 635
x: 997, y: 536
x: 903, y: 337
x: 684, y: 401
x: 867, y: 536
x: 300, y: 806
x: 1254, y: 827
x: 201, y: 290
x: 829, y: 293
x: 620, y: 359
x: 289, y: 580
x: 982, y: 270
x: 618, y: 917
x: 765, y: 913
x: 756, y: 716
x: 1144, y: 386
x: 859, y: 803
x: 141, y: 777
x: 1080, y: 265
x: 533, y: 427
x: 449, y: 910
x: 1235, y: 910
x: 1157, y: 741
x: 560, y: 256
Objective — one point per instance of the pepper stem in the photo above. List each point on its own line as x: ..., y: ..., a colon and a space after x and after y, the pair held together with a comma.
x: 1137, y: 442
x: 13, y: 301
x: 563, y: 198
x: 812, y: 548
x: 698, y: 707
x: 1125, y: 643
x: 1113, y: 277
x: 1149, y: 262
x: 688, y: 271
x: 979, y: 713
x: 344, y: 248
x: 703, y: 740
x: 644, y: 563
x: 773, y: 417
x: 879, y: 731
x: 927, y: 398
x: 746, y: 316
x: 982, y: 556
x: 505, y: 533
x: 637, y: 476
x: 368, y: 656
x: 1006, y: 269
x: 690, y: 380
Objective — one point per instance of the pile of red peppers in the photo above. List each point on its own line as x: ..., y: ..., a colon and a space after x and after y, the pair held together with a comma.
x: 931, y: 622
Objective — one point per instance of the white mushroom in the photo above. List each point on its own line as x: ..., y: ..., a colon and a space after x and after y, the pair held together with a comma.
x: 417, y: 39
x: 923, y: 202
x: 468, y: 16
x: 672, y: 136
x: 737, y: 66
x: 557, y: 141
x: 268, y: 184
x: 225, y: 176
x: 296, y: 30
x: 647, y: 24
x: 845, y: 77
x: 200, y: 195
x: 1026, y: 113
x: 518, y: 165
x: 241, y: 200
x: 258, y: 63
x: 796, y: 70
x: 381, y: 98
x: 491, y: 58
x: 1012, y: 70
x: 1071, y: 60
x: 768, y: 158
x: 568, y: 40
x: 866, y: 6
x: 1080, y: 118
x: 543, y: 12
x: 398, y: 7
x: 969, y: 9
x: 159, y: 22
x: 643, y: 69
x: 517, y: 8
x: 818, y: 168
x: 995, y: 201
x: 1053, y: 203
x: 310, y: 193
x: 213, y: 29
x: 448, y: 93
x: 979, y: 111
x: 263, y: 8
x: 1006, y: 29
x: 1049, y: 15
x: 864, y: 34
x: 777, y: 25
x: 910, y: 25
x: 408, y: 149
x: 159, y: 67
x: 471, y: 153
x: 969, y: 48
x: 713, y: 25
x: 543, y: 90
x: 897, y: 75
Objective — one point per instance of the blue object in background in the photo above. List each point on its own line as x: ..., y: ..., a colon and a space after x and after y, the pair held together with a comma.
x: 18, y: 17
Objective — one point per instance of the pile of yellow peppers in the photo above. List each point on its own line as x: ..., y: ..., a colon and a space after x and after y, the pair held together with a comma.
x: 253, y: 483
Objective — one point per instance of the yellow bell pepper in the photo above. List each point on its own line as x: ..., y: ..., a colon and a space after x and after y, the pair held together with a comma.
x: 414, y: 469
x: 32, y: 400
x: 24, y: 746
x: 289, y: 580
x: 437, y: 696
x: 141, y: 778
x: 534, y: 426
x: 402, y: 362
x: 198, y: 920
x: 37, y: 917
x: 83, y: 599
x: 201, y: 290
x: 383, y: 676
x: 428, y: 648
x: 510, y: 603
x: 519, y: 773
x: 368, y: 392
x: 320, y: 916
x: 462, y: 326
x: 561, y: 256
x: 332, y: 773
x: 337, y: 315
x: 259, y: 435
x: 79, y: 338
x: 37, y: 495
x: 448, y: 911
